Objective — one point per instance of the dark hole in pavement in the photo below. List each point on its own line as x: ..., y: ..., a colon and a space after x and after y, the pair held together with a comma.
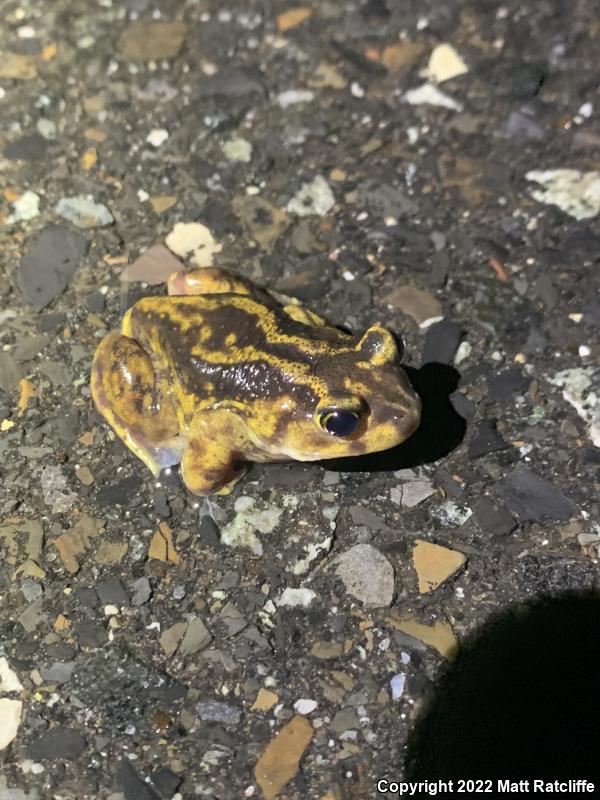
x: 440, y: 432
x: 520, y: 701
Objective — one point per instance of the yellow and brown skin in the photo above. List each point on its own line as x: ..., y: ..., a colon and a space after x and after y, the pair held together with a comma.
x: 220, y: 373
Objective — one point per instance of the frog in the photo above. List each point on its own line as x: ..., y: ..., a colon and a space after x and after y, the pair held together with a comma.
x: 219, y: 373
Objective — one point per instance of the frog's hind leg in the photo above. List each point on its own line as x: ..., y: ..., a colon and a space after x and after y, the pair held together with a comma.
x: 208, y: 280
x: 125, y: 391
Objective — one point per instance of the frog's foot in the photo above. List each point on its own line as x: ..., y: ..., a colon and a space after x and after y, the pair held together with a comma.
x: 124, y: 389
x: 208, y: 280
x: 212, y: 461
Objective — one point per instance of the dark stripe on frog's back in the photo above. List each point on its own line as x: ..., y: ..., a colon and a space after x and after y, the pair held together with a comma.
x: 242, y: 380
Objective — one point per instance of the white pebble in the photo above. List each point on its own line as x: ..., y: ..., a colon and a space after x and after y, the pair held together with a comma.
x: 584, y: 351
x: 157, y: 136
x: 26, y: 32
x: 397, y: 685
x: 305, y: 706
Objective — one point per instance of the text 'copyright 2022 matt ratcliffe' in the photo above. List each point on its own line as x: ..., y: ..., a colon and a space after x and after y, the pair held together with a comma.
x: 390, y: 788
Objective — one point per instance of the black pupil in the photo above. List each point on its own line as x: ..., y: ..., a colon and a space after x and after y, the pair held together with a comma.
x: 341, y: 423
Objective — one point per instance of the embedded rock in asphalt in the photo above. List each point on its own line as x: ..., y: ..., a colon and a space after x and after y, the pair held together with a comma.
x: 531, y: 497
x: 49, y: 263
x: 367, y: 575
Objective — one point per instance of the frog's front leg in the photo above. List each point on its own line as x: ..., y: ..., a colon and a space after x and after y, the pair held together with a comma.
x: 212, y: 461
x: 125, y: 391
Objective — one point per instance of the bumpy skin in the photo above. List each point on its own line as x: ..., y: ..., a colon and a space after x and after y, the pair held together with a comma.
x: 221, y: 373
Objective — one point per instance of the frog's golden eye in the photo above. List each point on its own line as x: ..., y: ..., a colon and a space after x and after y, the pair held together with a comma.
x: 340, y: 421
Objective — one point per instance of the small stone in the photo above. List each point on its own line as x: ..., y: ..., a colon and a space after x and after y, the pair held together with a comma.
x: 193, y: 240
x: 161, y: 203
x: 531, y: 497
x: 367, y: 575
x: 296, y: 598
x: 497, y: 521
x: 134, y: 788
x: 157, y: 136
x: 31, y: 147
x: 233, y: 619
x: 58, y: 672
x: 486, y: 439
x: 208, y: 531
x: 83, y: 212
x: 73, y: 543
x: 85, y: 476
x: 581, y: 389
x: 265, y: 700
x: 521, y: 124
x: 237, y: 150
x: 18, y: 66
x: 90, y: 635
x: 293, y: 17
x: 293, y: 97
x: 326, y: 649
x: 10, y: 719
x: 196, y: 638
x: 152, y: 41
x: 439, y: 635
x: 574, y: 192
x: 241, y: 531
x: 109, y: 553
x: 55, y: 490
x: 211, y: 711
x: 305, y: 706
x: 401, y: 56
x: 166, y: 781
x: 154, y: 266
x: 49, y: 262
x: 162, y: 547
x: 10, y: 373
x: 419, y: 304
x: 46, y: 128
x: 281, y: 759
x: 89, y: 159
x: 141, y: 591
x: 30, y: 346
x: 411, y: 494
x: 9, y: 680
x: 451, y: 514
x: 445, y: 64
x: 170, y: 638
x: 441, y: 342
x: 315, y: 197
x: 112, y: 591
x: 234, y: 82
x: 327, y: 76
x: 397, y: 685
x: 383, y: 200
x: 435, y: 564
x: 57, y: 743
x: 25, y: 208
x: 262, y: 220
x: 505, y: 385
x: 428, y: 94
x: 345, y: 720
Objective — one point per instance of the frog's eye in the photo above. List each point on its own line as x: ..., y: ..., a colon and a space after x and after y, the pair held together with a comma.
x: 340, y: 422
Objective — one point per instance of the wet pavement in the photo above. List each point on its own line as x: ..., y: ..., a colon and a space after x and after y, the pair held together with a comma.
x: 429, y: 166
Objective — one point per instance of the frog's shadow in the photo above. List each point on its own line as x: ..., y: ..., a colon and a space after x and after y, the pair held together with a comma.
x: 441, y: 429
